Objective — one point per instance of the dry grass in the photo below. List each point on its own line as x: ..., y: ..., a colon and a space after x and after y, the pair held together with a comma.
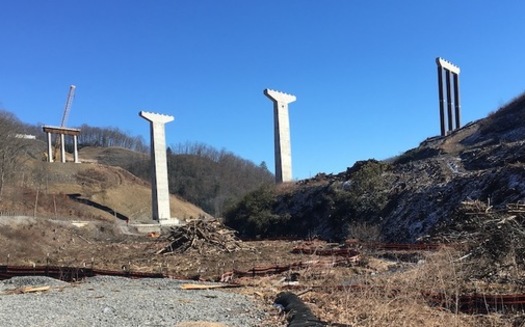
x: 41, y: 189
x: 393, y: 294
x: 374, y: 292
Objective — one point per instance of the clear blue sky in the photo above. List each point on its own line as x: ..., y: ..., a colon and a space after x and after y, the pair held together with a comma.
x: 364, y: 72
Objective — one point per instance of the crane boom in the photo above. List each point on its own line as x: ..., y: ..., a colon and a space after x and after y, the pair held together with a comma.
x: 67, y: 106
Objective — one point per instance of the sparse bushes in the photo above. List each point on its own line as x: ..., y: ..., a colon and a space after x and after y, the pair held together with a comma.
x: 417, y: 154
x: 365, y: 231
x: 507, y: 118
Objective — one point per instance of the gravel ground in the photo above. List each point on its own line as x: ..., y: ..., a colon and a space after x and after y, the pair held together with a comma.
x: 116, y: 301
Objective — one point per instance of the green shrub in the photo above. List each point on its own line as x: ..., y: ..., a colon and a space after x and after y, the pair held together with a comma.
x: 253, y: 216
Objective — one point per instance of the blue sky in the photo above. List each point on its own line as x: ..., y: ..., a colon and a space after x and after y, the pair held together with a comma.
x: 364, y: 72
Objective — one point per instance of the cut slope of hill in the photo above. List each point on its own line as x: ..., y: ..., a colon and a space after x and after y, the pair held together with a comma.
x: 87, y: 189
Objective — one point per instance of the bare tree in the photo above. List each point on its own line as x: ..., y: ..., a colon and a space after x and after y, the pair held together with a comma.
x: 12, y: 146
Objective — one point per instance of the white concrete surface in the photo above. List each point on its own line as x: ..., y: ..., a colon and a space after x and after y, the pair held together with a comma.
x: 283, y: 149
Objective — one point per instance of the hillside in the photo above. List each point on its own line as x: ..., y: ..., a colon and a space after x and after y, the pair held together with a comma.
x: 92, y: 189
x: 404, y: 198
x: 200, y: 174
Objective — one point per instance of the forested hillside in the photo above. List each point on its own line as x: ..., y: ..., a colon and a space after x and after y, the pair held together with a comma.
x: 207, y: 177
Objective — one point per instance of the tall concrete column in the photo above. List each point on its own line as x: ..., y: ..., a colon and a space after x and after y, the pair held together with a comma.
x: 49, y: 148
x: 75, y: 148
x: 283, y: 151
x: 62, y: 148
x: 159, y: 167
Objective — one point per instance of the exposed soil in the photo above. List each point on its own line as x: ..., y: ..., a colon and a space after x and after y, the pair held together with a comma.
x: 101, y: 192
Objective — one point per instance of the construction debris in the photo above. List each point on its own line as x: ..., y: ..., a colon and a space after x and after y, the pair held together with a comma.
x: 278, y: 269
x: 202, y: 235
x: 191, y: 287
x: 328, y: 251
x: 495, y: 239
x: 349, y: 249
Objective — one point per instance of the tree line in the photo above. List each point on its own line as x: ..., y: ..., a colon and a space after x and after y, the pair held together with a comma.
x: 12, y: 146
x: 110, y: 137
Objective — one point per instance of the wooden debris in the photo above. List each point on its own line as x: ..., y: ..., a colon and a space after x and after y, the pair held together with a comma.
x: 203, y: 235
x: 191, y: 287
x: 515, y: 208
x: 28, y: 289
x: 475, y: 207
x: 85, y: 240
x: 229, y: 276
x: 493, y: 238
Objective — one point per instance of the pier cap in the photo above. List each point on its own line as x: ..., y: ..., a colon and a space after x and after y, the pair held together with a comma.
x: 447, y: 65
x: 279, y: 96
x: 155, y: 117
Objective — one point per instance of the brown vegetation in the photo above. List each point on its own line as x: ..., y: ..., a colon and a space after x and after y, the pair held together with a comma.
x: 376, y: 290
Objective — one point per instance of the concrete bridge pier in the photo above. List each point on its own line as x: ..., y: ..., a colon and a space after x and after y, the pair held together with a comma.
x: 159, y: 168
x: 449, y: 119
x: 283, y: 151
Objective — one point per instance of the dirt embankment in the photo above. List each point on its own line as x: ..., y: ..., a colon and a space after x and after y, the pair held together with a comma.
x: 85, y: 190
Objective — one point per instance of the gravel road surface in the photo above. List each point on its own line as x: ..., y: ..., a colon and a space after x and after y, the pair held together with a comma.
x: 116, y: 301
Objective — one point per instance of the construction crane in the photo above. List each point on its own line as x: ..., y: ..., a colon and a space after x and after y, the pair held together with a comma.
x: 67, y: 107
x: 65, y: 115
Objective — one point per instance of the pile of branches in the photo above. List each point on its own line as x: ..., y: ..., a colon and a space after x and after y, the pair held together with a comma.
x: 203, y: 235
x: 495, y: 238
